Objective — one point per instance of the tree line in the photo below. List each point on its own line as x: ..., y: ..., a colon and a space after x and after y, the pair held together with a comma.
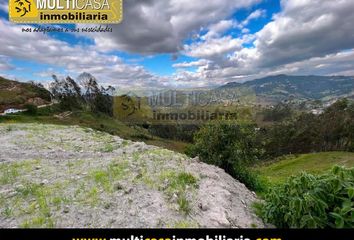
x: 234, y: 147
x: 83, y: 94
x: 332, y: 130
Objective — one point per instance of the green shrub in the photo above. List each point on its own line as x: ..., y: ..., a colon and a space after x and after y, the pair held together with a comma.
x: 249, y: 177
x: 31, y: 109
x: 307, y: 201
x: 230, y: 146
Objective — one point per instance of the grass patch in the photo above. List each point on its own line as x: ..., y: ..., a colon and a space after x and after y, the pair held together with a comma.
x: 38, y: 197
x: 28, y: 190
x: 145, y: 177
x: 39, y: 221
x: 101, y: 177
x: 125, y: 143
x: 7, y: 212
x: 178, y: 183
x: 92, y: 197
x: 35, y: 204
x: 108, y: 148
x: 9, y: 173
x: 2, y: 200
x: 315, y: 163
x: 183, y: 203
x: 9, y: 128
x: 105, y: 178
x: 183, y: 224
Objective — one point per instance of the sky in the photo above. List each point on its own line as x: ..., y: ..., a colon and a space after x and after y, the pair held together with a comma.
x: 184, y: 43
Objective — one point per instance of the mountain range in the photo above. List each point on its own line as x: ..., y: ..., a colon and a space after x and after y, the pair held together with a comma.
x: 285, y: 87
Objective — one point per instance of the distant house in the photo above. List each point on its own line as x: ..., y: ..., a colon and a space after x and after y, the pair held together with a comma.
x: 317, y: 111
x: 12, y: 110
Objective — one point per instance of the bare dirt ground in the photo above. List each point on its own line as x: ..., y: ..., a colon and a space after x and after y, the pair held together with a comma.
x: 58, y: 176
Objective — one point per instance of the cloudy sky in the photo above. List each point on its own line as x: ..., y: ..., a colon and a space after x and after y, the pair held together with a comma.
x: 184, y: 43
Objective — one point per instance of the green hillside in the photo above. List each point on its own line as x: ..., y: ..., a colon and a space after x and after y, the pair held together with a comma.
x: 316, y: 163
x: 100, y: 122
x: 15, y: 94
x: 284, y: 87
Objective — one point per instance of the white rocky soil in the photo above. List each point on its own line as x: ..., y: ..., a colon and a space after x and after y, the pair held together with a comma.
x: 59, y: 176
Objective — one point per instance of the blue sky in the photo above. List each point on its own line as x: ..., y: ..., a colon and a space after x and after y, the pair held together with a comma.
x: 223, y: 41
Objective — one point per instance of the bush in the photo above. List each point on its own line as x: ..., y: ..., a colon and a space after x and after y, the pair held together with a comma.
x: 308, y: 201
x: 230, y: 146
x: 31, y: 109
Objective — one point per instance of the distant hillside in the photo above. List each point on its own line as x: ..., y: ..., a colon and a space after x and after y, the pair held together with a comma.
x: 15, y: 94
x: 283, y: 87
x: 314, y: 163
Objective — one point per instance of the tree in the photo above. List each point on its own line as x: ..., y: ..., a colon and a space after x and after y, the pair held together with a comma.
x: 232, y: 147
x: 331, y: 131
x: 31, y: 109
x: 279, y: 113
x: 85, y: 94
x: 67, y: 92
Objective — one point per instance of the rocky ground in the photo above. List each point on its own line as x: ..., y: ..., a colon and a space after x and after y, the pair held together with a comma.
x: 58, y: 176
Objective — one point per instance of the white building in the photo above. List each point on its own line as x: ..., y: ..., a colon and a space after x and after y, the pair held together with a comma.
x: 12, y: 110
x: 317, y: 111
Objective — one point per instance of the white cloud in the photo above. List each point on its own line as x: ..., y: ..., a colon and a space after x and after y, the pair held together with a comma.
x: 306, y: 29
x: 213, y: 47
x: 151, y: 27
x: 215, y: 30
x: 199, y: 63
x: 43, y: 49
x: 306, y: 37
x: 4, y: 64
x: 254, y: 15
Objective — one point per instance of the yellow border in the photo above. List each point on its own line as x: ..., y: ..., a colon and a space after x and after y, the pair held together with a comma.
x: 120, y: 19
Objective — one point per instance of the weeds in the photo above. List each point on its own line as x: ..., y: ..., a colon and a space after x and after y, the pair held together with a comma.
x: 106, y: 177
x: 9, y: 173
x: 183, y: 203
x: 40, y: 197
x: 29, y: 189
x: 178, y: 181
x: 7, y: 212
x: 92, y: 197
x: 125, y: 143
x: 184, y: 224
x: 108, y: 148
x: 39, y: 221
x: 308, y: 201
x: 177, y: 184
x: 9, y: 128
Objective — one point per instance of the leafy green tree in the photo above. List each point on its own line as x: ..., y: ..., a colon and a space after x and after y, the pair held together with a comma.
x: 86, y: 95
x: 67, y: 92
x: 230, y: 146
x: 31, y: 109
x: 331, y: 131
x: 279, y: 113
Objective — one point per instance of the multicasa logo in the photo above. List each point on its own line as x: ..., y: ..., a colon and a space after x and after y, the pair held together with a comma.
x: 66, y: 11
